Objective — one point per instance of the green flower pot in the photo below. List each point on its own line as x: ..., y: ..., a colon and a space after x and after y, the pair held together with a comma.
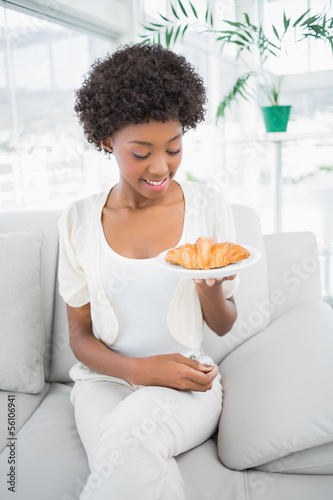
x: 276, y: 118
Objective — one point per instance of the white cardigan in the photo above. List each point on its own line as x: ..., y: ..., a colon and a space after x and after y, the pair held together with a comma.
x: 207, y: 213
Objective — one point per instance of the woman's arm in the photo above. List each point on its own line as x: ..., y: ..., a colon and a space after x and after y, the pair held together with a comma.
x: 169, y: 370
x: 91, y: 351
x: 218, y: 312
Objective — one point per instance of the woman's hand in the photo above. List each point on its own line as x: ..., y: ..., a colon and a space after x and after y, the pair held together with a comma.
x: 175, y: 371
x: 210, y: 282
x: 218, y: 312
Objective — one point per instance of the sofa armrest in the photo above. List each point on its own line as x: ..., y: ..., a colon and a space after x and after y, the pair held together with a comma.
x: 293, y: 270
x: 278, y: 389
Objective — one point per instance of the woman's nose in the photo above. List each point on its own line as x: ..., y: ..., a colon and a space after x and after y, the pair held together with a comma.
x: 159, y: 166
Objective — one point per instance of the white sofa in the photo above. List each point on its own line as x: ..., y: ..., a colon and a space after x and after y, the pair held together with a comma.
x: 275, y: 438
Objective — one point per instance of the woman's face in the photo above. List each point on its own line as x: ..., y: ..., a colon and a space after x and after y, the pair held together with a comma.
x: 148, y: 156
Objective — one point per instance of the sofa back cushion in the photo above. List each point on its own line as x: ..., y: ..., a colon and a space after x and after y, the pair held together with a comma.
x: 21, y: 319
x: 252, y: 297
x: 293, y: 270
x: 62, y: 356
x: 47, y: 222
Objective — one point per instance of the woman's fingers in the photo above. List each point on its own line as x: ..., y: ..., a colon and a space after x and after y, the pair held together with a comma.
x: 209, y: 281
x: 203, y: 380
x: 176, y: 371
x: 200, y: 374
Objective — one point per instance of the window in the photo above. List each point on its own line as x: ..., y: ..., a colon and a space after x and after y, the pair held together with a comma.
x: 304, y: 57
x: 44, y: 159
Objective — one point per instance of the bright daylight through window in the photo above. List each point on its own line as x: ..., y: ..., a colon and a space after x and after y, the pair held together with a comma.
x: 45, y: 162
x: 44, y: 159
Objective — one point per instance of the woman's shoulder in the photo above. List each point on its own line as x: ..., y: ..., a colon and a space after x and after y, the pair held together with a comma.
x: 84, y: 208
x: 87, y: 203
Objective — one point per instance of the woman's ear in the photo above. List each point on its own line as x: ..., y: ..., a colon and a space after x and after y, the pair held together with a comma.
x: 107, y: 144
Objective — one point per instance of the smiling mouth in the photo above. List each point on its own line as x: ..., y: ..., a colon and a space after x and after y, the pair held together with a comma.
x: 155, y: 183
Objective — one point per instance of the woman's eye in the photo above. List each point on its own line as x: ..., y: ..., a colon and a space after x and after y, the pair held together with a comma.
x: 140, y: 157
x: 144, y: 157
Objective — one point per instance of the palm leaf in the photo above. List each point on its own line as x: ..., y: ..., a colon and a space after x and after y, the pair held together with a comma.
x: 174, y: 11
x: 247, y: 19
x: 168, y: 37
x: 300, y: 18
x: 249, y: 35
x: 182, y: 8
x: 164, y: 18
x: 310, y: 20
x: 156, y: 25
x: 193, y: 10
x: 275, y: 32
x: 207, y: 13
x: 176, y: 34
x: 185, y: 29
x: 286, y: 22
x: 148, y: 28
x: 239, y: 89
x: 233, y: 23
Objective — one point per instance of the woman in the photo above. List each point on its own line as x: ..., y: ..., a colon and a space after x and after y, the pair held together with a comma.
x: 144, y: 390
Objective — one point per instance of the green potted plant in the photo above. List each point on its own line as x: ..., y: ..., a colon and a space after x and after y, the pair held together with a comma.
x: 245, y: 36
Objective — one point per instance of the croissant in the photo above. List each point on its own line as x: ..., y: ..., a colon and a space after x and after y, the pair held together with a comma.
x: 206, y: 254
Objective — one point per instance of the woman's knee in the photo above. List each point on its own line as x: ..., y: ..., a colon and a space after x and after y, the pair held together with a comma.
x: 143, y: 423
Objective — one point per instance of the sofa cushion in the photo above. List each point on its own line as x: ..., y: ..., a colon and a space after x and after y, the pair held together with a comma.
x: 47, y: 222
x: 252, y: 295
x: 21, y: 321
x: 278, y: 390
x: 211, y: 480
x: 25, y: 405
x: 317, y: 461
x: 62, y: 356
x: 293, y: 270
x: 269, y: 486
x: 51, y: 461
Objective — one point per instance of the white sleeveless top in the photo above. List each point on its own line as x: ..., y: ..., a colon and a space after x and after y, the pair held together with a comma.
x: 207, y: 212
x: 140, y: 293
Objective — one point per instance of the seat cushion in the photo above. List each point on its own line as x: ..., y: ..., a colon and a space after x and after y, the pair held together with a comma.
x: 278, y: 389
x: 269, y: 486
x: 25, y: 405
x: 212, y: 480
x: 216, y: 482
x: 52, y: 462
x: 317, y: 460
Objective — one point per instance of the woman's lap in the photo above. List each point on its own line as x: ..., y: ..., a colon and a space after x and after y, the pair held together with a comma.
x: 93, y: 399
x: 129, y: 431
x: 136, y: 413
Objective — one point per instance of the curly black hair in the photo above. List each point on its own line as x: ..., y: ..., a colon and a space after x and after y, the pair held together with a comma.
x: 134, y: 84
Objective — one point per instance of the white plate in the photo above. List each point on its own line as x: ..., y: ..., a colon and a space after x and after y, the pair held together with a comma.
x: 219, y: 272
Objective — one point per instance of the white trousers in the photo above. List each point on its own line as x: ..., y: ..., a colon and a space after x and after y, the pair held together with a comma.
x: 131, y: 434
